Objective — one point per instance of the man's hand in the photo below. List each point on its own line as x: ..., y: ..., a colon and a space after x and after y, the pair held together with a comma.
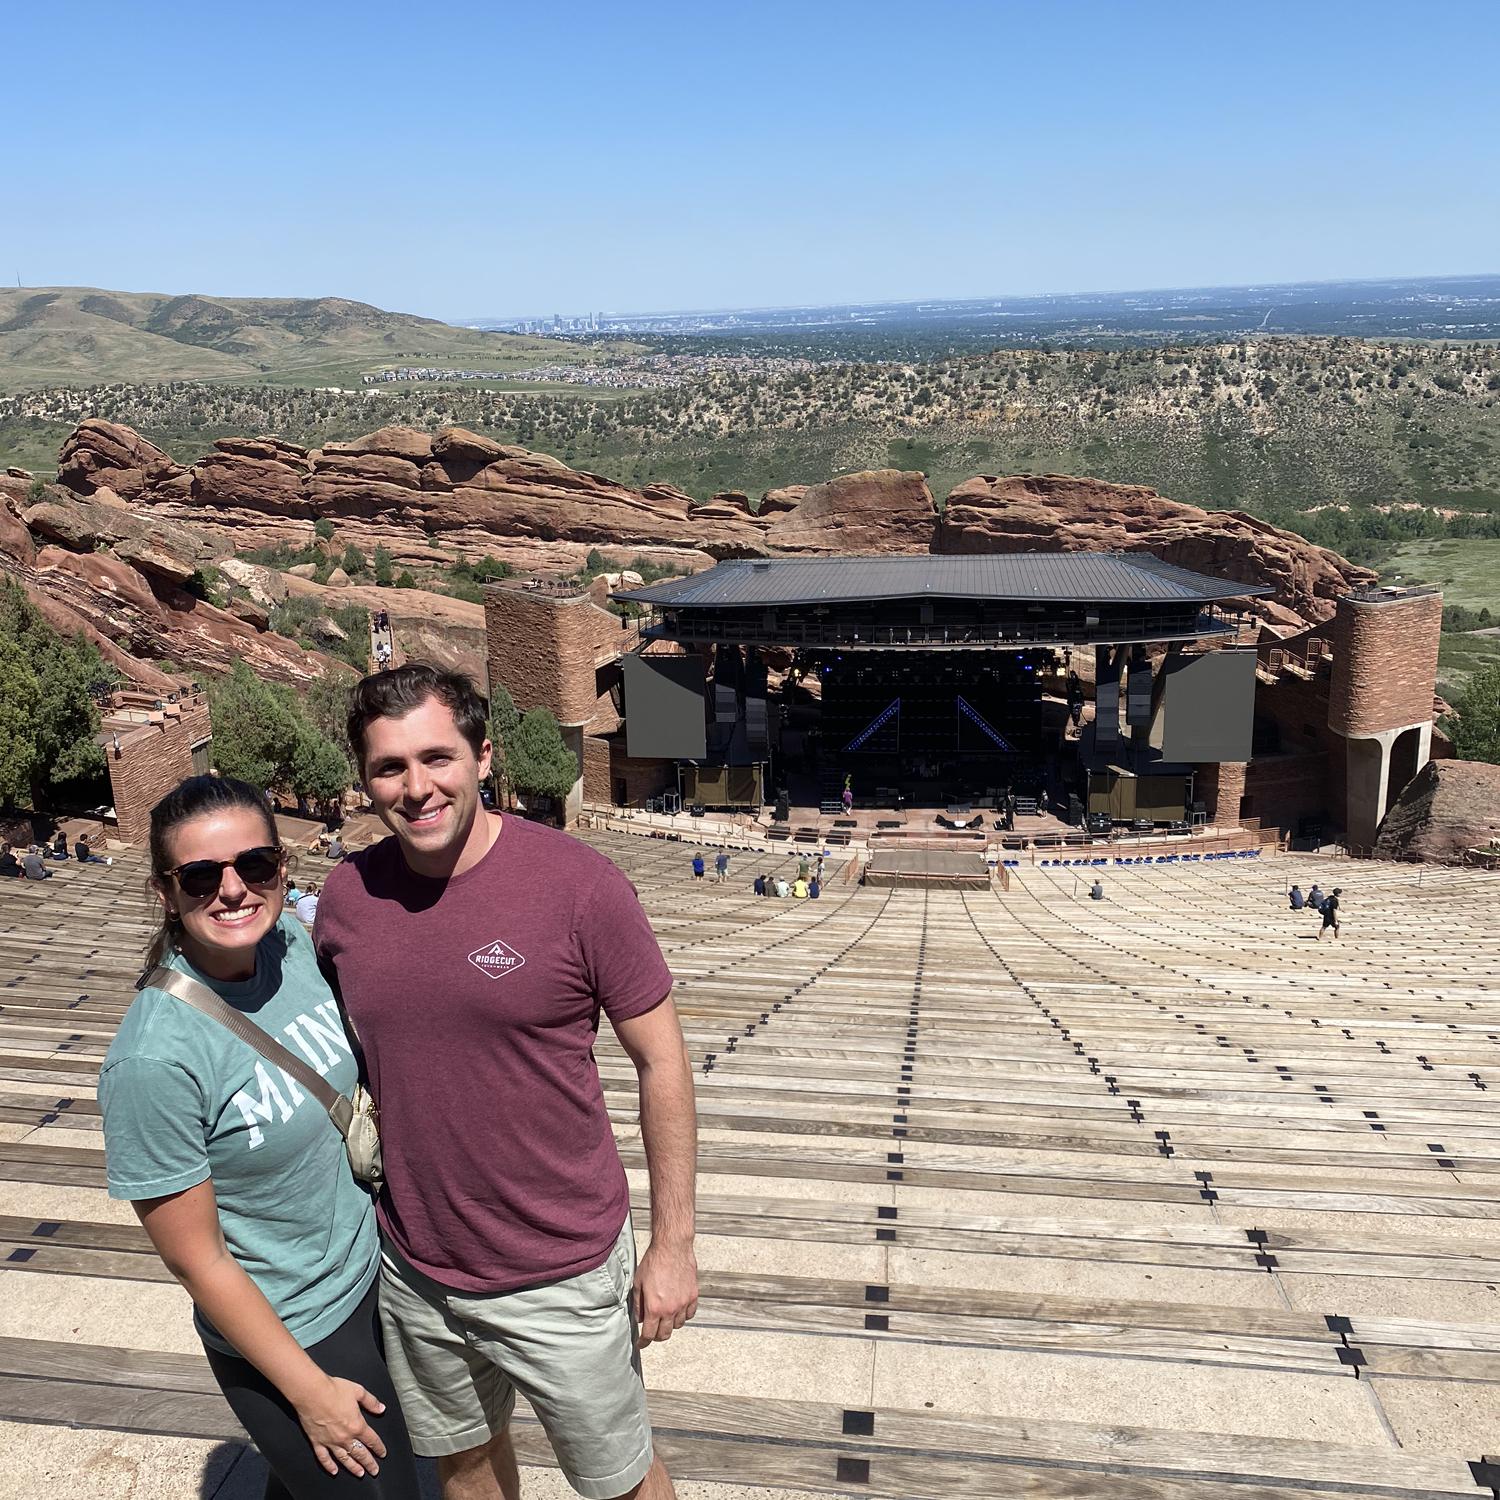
x: 665, y: 1291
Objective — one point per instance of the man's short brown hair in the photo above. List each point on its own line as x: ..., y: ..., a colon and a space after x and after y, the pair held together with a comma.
x: 397, y: 692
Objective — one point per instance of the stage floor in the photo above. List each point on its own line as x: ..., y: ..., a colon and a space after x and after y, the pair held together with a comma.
x: 934, y: 869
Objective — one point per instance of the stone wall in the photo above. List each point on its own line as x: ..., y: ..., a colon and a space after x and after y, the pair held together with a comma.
x: 1385, y: 662
x: 1285, y: 789
x: 153, y: 758
x: 543, y: 648
x: 1221, y: 786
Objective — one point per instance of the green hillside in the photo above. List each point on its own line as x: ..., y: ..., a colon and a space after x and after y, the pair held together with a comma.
x: 77, y: 336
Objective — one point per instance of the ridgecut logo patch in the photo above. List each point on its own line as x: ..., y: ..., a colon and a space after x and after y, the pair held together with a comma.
x: 496, y: 959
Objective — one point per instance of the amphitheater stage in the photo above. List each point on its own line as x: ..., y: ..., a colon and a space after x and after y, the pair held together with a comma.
x: 931, y: 869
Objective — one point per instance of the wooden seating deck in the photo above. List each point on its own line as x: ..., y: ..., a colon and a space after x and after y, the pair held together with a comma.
x: 1002, y: 1192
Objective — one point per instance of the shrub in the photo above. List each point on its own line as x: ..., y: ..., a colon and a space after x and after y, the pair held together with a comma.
x: 1476, y: 734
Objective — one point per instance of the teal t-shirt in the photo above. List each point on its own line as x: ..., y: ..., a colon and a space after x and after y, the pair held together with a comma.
x: 184, y: 1100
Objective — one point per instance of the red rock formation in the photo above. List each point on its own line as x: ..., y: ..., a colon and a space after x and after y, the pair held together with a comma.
x: 409, y: 492
x: 158, y: 621
x: 1448, y: 807
x: 881, y: 510
x: 1058, y: 513
x: 99, y: 453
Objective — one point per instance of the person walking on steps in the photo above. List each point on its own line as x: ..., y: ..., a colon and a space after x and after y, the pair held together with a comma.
x: 1331, y: 914
x: 476, y: 953
x: 698, y: 867
x: 234, y: 1166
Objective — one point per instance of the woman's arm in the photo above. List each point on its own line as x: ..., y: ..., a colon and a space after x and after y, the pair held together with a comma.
x: 184, y: 1227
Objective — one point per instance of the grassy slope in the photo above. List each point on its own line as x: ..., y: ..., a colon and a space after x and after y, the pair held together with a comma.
x: 1469, y: 574
x: 1468, y: 570
x: 86, y: 336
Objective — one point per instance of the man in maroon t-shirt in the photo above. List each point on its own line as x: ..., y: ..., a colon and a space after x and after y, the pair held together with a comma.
x: 475, y: 955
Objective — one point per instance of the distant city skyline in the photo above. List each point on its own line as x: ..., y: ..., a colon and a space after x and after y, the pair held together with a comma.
x: 675, y: 158
x: 569, y: 314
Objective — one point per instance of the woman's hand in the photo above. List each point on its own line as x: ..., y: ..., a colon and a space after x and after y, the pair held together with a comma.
x: 333, y: 1417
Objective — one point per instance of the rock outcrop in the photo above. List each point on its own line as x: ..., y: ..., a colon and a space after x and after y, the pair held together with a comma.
x: 151, y: 619
x: 430, y: 498
x: 1450, y: 806
x: 409, y: 491
x: 880, y: 510
x: 98, y: 454
x: 1058, y: 513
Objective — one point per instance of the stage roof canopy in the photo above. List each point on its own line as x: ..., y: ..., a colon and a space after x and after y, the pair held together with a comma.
x: 1030, y: 577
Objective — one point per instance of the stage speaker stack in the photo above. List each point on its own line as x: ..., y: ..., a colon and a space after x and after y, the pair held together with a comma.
x: 783, y: 812
x: 757, y: 731
x: 1138, y: 692
x: 1075, y: 811
x: 1106, y: 698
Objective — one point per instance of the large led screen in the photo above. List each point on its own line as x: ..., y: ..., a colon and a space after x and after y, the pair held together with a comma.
x: 664, y: 717
x: 1208, y: 707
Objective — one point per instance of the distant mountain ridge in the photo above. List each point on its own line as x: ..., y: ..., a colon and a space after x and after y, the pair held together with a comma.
x: 88, y: 335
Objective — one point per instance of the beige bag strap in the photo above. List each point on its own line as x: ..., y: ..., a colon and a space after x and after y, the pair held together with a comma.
x: 191, y: 992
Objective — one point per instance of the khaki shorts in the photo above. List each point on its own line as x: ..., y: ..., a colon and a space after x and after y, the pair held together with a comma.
x: 458, y: 1360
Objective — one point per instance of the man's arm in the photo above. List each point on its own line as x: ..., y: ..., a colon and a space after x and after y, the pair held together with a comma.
x: 666, y: 1283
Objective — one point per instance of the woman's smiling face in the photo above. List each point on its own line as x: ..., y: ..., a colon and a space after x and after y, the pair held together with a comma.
x: 220, y: 930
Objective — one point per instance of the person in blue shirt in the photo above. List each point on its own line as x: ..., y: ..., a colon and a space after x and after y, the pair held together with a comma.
x: 814, y: 888
x: 698, y: 867
x: 1315, y: 897
x: 1296, y: 898
x: 760, y: 885
x: 240, y: 1178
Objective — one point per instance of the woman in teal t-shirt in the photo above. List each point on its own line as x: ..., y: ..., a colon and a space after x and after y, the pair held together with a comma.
x: 239, y: 1177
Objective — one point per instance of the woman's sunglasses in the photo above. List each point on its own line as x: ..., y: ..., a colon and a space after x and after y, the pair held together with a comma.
x: 202, y: 877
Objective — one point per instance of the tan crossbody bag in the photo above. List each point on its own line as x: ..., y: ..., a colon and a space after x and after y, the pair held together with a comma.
x: 355, y: 1119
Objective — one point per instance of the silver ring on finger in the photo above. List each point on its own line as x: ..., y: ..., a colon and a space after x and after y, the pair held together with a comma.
x: 356, y: 1444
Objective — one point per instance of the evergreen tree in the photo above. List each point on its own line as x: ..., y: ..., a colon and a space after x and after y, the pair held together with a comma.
x: 384, y: 567
x: 505, y: 724
x: 255, y: 732
x: 64, y: 718
x: 318, y: 768
x: 1477, y: 734
x: 540, y: 763
x: 327, y: 702
x: 19, y: 695
x: 264, y: 735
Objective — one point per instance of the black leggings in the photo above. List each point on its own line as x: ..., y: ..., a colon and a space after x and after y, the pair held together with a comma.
x: 355, y: 1352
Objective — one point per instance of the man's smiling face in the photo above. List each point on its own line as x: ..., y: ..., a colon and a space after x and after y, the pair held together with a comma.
x: 423, y: 777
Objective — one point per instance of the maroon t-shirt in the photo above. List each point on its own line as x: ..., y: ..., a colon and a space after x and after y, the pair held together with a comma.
x: 477, y: 1001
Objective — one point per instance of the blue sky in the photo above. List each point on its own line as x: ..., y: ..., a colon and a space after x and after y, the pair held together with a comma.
x: 467, y: 159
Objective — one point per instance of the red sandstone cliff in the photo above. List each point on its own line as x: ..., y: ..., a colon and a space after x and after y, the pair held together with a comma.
x: 1057, y: 513
x: 429, y: 498
x: 407, y: 491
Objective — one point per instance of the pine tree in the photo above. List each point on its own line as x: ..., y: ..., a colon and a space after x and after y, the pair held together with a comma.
x: 19, y: 695
x: 505, y: 725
